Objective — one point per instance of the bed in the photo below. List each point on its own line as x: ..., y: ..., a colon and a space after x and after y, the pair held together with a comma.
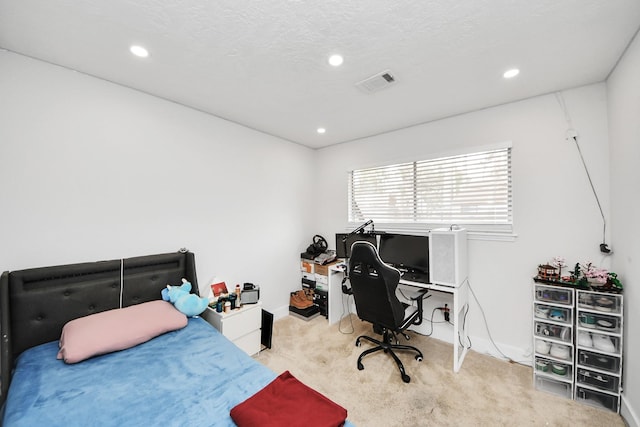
x: 192, y: 376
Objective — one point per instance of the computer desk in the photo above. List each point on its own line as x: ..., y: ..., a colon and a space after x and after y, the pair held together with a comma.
x: 460, y: 304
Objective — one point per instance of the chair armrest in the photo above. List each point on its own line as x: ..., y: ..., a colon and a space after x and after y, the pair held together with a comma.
x: 419, y: 296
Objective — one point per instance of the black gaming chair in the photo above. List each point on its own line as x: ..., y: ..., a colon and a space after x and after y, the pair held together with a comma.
x: 374, y: 284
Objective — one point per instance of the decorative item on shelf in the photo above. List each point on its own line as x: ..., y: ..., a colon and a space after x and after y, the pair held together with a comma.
x: 547, y: 272
x: 598, y: 279
x: 593, y: 274
x: 551, y: 272
x: 584, y: 275
x: 219, y: 289
x: 575, y: 273
x: 559, y: 262
x: 613, y: 284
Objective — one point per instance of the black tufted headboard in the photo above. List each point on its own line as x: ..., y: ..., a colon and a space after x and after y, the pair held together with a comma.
x: 36, y: 303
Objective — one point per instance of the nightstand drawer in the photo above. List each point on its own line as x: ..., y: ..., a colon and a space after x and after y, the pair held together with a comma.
x: 250, y: 343
x: 241, y: 322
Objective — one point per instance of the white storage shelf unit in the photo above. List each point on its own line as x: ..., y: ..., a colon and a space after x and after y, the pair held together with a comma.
x: 599, y: 326
x: 553, y: 331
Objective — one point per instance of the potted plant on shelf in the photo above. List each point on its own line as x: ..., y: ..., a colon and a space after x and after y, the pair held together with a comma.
x: 613, y: 282
x: 598, y: 279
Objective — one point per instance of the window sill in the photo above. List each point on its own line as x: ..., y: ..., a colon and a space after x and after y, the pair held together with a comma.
x: 492, y: 236
x: 496, y: 235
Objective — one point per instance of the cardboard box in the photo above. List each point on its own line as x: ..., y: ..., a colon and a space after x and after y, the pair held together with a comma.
x: 323, y: 270
x: 307, y: 266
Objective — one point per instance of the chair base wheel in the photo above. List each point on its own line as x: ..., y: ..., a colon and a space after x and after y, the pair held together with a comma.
x: 387, y: 347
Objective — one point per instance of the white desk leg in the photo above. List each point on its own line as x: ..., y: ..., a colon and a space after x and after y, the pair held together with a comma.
x: 335, y: 295
x: 460, y: 301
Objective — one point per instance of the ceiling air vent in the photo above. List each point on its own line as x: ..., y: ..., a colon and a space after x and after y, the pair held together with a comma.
x: 377, y: 82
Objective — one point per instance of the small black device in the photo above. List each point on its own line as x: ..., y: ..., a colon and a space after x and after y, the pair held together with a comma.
x: 248, y: 286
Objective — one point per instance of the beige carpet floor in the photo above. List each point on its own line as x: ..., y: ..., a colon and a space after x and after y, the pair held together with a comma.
x: 486, y: 391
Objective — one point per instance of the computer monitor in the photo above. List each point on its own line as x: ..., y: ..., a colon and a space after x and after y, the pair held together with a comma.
x: 344, y: 251
x: 405, y: 251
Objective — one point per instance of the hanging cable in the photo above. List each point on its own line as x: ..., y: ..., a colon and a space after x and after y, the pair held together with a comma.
x: 486, y: 324
x: 572, y: 134
x: 603, y: 246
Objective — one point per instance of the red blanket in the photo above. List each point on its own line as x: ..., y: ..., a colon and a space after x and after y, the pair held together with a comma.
x: 285, y: 401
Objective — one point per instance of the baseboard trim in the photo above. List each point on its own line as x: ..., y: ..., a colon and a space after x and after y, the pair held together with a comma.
x: 280, y: 312
x: 505, y: 352
x: 628, y: 414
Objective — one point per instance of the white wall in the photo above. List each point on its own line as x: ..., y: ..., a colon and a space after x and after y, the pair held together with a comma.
x: 555, y: 213
x: 624, y: 132
x: 92, y: 171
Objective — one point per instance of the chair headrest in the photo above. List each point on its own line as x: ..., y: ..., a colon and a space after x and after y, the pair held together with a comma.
x: 362, y: 251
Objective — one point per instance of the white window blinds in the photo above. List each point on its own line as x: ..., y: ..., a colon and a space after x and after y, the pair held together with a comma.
x: 465, y: 189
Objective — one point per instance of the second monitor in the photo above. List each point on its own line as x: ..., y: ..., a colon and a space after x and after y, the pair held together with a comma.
x: 406, y: 252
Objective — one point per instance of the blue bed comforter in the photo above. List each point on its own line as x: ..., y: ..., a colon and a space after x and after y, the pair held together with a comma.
x: 190, y: 377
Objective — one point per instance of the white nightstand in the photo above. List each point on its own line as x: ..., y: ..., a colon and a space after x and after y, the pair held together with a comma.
x: 242, y: 326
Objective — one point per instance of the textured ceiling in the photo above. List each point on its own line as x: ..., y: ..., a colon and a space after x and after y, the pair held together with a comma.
x: 263, y: 64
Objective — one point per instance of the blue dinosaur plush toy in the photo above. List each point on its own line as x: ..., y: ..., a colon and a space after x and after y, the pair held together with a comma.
x: 182, y: 299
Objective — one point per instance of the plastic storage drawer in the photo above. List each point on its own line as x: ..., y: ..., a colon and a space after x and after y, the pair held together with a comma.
x: 597, y: 399
x: 553, y: 369
x: 599, y: 322
x: 553, y: 313
x: 598, y: 380
x: 559, y: 388
x: 549, y: 330
x: 599, y: 361
x: 602, y: 342
x: 600, y: 302
x: 554, y: 295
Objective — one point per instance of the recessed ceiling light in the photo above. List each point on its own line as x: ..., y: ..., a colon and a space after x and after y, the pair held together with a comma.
x: 511, y: 73
x: 139, y: 51
x: 336, y: 60
x: 321, y: 130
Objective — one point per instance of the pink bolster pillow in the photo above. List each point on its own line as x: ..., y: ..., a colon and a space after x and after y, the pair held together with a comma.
x: 117, y: 329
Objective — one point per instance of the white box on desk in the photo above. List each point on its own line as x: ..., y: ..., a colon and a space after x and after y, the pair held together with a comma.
x: 448, y: 256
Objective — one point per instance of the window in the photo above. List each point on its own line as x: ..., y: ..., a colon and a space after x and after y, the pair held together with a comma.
x: 471, y: 190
